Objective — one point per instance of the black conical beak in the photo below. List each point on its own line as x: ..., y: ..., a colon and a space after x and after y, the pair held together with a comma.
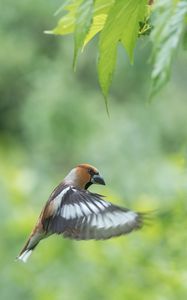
x: 97, y: 179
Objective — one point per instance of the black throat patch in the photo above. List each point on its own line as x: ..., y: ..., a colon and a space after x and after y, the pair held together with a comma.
x: 88, y: 185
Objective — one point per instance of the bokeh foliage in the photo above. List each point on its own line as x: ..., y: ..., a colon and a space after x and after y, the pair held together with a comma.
x: 52, y: 119
x: 123, y: 22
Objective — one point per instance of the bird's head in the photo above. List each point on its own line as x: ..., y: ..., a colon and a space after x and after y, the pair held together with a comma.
x: 83, y: 176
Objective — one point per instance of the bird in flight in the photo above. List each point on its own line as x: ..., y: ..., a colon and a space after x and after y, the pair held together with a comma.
x: 76, y: 213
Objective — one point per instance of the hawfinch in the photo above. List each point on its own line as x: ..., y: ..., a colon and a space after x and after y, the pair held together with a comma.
x: 76, y: 213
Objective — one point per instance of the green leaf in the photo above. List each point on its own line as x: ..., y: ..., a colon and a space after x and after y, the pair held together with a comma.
x: 66, y: 24
x: 75, y: 10
x: 166, y: 36
x: 82, y: 25
x: 97, y: 26
x: 101, y: 9
x: 102, y: 6
x: 134, y: 14
x: 122, y: 24
x: 63, y: 6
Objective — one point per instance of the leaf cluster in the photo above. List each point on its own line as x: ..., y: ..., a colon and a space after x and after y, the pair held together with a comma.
x: 124, y: 21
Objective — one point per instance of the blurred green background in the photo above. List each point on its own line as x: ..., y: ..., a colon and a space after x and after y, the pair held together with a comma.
x: 52, y: 119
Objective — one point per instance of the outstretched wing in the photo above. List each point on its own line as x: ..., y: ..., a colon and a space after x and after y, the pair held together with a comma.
x: 83, y: 215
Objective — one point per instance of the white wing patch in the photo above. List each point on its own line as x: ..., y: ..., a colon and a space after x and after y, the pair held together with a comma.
x: 104, y: 203
x: 70, y: 211
x: 113, y: 219
x: 58, y: 199
x: 93, y: 207
x: 100, y: 221
x: 80, y: 209
x: 85, y: 210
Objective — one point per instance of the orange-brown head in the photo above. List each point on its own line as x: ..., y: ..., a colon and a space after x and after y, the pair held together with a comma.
x: 83, y: 176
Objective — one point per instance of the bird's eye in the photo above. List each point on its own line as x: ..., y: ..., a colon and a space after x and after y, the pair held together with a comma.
x: 92, y: 172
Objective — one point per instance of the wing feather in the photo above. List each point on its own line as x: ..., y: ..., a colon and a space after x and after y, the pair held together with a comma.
x: 83, y: 215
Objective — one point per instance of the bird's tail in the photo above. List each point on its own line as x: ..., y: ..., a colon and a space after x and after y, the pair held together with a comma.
x: 25, y: 255
x: 30, y: 245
